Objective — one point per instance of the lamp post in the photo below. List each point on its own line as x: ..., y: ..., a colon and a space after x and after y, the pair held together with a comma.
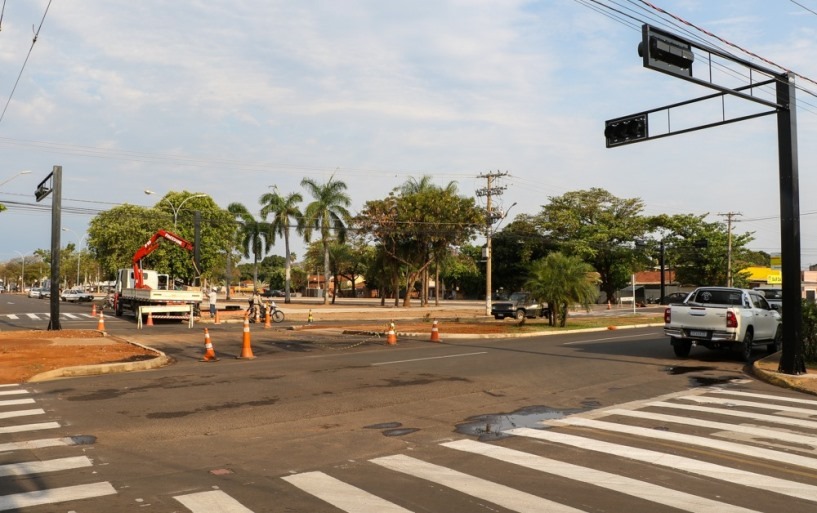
x: 7, y: 180
x: 79, y: 251
x: 23, y: 272
x: 176, y: 209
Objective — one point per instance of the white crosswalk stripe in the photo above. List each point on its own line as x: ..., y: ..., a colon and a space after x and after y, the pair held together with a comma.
x: 341, y: 495
x: 16, y: 402
x: 782, y: 399
x: 214, y: 501
x: 21, y: 413
x: 746, y: 415
x: 55, y: 495
x: 750, y: 404
x: 29, y: 427
x: 13, y: 392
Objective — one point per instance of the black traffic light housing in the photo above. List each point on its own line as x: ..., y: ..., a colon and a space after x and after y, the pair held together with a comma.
x: 628, y: 129
x: 664, y: 52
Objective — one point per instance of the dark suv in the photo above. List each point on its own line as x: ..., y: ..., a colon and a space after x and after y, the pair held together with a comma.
x: 519, y: 306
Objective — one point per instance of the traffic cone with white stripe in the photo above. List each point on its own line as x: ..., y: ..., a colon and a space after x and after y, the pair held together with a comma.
x: 150, y: 319
x: 391, y: 336
x: 435, y: 333
x: 93, y: 310
x: 209, y: 352
x: 100, y: 325
x: 246, y: 347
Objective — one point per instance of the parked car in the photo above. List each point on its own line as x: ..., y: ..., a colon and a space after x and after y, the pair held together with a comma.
x: 773, y: 296
x: 675, y: 297
x: 519, y: 305
x: 272, y: 293
x: 45, y: 293
x: 77, y: 295
x: 34, y: 292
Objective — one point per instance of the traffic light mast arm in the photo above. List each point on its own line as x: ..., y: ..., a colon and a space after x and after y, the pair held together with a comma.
x: 645, y: 136
x: 668, y: 53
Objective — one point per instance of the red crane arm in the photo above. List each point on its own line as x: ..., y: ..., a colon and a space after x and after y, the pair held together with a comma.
x: 151, y: 246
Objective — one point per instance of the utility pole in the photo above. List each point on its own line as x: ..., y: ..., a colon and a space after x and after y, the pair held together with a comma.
x: 490, y: 217
x: 729, y: 216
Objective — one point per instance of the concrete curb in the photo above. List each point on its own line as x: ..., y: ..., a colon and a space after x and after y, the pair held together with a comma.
x: 160, y: 360
x: 805, y: 383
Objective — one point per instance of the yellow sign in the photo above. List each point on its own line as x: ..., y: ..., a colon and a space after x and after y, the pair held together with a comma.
x: 774, y: 279
x: 776, y: 261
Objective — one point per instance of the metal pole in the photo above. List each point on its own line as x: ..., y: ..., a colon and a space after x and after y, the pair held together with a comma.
x: 488, y: 284
x: 661, y: 264
x: 792, y: 361
x: 56, y: 216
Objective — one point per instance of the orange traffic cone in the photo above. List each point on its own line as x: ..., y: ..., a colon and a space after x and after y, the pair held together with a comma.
x: 217, y: 320
x: 93, y: 310
x: 267, y: 319
x: 209, y: 352
x: 150, y: 319
x: 391, y: 336
x: 435, y: 333
x: 246, y: 348
x: 100, y: 326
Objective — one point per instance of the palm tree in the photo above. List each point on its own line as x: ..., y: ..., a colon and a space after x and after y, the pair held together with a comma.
x: 328, y: 212
x: 283, y: 210
x: 255, y: 236
x: 560, y: 281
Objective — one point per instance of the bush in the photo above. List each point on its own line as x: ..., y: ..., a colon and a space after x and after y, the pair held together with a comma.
x: 809, y: 331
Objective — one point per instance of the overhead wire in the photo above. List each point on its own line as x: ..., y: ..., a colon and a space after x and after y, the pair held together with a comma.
x: 30, y: 49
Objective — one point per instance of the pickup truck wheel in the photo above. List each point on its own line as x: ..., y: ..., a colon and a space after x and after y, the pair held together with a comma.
x: 747, y: 346
x: 520, y: 315
x: 777, y: 343
x: 682, y: 347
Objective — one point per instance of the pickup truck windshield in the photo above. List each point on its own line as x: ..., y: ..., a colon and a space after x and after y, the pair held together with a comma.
x: 717, y: 297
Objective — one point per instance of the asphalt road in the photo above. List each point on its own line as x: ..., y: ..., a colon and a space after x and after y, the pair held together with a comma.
x: 322, y: 422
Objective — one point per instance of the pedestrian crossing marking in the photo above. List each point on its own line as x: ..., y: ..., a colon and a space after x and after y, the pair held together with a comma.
x: 784, y: 399
x: 12, y: 317
x: 214, y: 501
x: 29, y: 427
x: 700, y: 441
x: 55, y: 495
x: 690, y: 465
x: 501, y: 495
x: 33, y: 444
x: 735, y: 428
x: 39, y: 467
x: 776, y: 419
x: 16, y: 402
x: 21, y: 413
x: 621, y: 484
x: 750, y: 404
x: 341, y: 495
x: 13, y: 392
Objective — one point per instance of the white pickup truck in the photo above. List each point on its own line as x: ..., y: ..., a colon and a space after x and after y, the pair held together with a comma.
x: 723, y: 318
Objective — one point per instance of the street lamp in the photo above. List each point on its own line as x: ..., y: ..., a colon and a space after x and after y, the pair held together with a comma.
x: 7, y: 180
x: 23, y: 273
x: 175, y: 208
x: 79, y: 251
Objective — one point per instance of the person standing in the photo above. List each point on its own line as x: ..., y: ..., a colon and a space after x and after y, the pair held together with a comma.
x: 212, y: 299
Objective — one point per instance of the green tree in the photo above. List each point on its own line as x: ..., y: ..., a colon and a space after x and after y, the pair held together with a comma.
x: 514, y: 248
x: 418, y: 225
x: 255, y: 237
x: 599, y: 228
x: 326, y: 214
x: 284, y: 211
x: 698, y: 250
x: 562, y: 281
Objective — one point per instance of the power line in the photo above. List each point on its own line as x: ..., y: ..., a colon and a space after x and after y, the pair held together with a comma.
x: 36, y: 35
x: 803, y: 6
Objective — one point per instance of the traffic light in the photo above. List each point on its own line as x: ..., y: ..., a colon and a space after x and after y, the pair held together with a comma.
x: 625, y: 130
x: 664, y: 52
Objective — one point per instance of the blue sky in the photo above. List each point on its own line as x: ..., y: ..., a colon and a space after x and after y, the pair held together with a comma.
x: 228, y: 98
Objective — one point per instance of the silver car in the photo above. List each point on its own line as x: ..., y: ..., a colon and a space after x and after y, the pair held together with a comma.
x: 35, y: 292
